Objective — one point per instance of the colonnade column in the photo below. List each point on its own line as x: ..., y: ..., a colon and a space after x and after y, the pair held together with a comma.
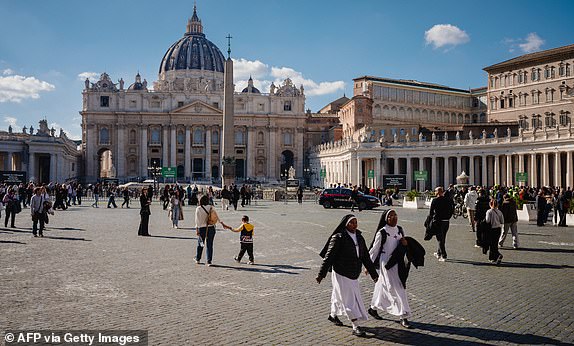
x: 353, y: 170
x: 557, y: 170
x: 447, y: 171
x: 471, y: 174
x: 143, y: 154
x: 458, y: 165
x: 90, y: 157
x: 32, y: 166
x: 378, y: 178
x: 187, y: 153
x: 409, y: 174
x: 434, y: 172
x: 207, y: 169
x: 396, y: 166
x: 272, y: 173
x: 484, y: 178
x: 173, y: 146
x: 9, y: 161
x: 299, y: 139
x: 53, y: 172
x: 545, y: 170
x: 496, y: 180
x: 165, y: 147
x: 520, y: 163
x: 568, y: 169
x: 358, y: 179
x: 509, y: 170
x: 533, y: 179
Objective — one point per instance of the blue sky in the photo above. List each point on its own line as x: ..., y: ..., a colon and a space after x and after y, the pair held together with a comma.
x: 45, y: 46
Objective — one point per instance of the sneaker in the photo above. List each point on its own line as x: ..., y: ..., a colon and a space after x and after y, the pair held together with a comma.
x: 236, y: 259
x: 515, y: 247
x: 335, y: 320
x: 405, y: 323
x: 436, y: 255
x: 499, y: 259
x: 35, y: 235
x: 197, y: 261
x: 478, y: 246
x: 175, y: 226
x: 208, y: 264
x: 374, y: 313
x: 359, y: 332
x: 251, y: 262
x: 442, y: 259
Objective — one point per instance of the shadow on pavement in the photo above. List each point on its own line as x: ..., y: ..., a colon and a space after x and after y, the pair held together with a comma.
x: 170, y: 237
x: 10, y: 242
x: 486, y: 335
x: 545, y: 250
x: 255, y: 269
x: 536, y: 234
x: 512, y: 264
x: 66, y: 238
x: 412, y: 337
x: 68, y: 229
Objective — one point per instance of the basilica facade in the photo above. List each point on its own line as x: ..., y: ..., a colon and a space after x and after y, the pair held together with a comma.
x: 131, y: 130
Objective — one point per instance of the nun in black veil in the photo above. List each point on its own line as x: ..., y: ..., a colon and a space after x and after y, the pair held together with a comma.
x: 345, y: 253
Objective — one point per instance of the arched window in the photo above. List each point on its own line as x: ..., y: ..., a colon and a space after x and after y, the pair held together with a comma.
x: 198, y: 136
x: 239, y: 137
x: 104, y: 135
x: 215, y: 138
x: 260, y: 138
x: 288, y: 138
x: 132, y: 137
x: 180, y: 137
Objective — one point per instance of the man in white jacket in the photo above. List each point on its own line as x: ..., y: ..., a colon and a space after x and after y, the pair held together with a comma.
x: 470, y: 204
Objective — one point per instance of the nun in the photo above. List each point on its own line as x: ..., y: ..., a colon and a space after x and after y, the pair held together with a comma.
x: 345, y: 253
x: 390, y: 294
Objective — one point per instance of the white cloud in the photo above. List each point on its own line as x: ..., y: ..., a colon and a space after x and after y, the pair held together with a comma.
x: 17, y: 88
x: 93, y: 76
x: 532, y: 44
x: 442, y: 35
x: 7, y: 72
x: 12, y: 121
x: 263, y: 76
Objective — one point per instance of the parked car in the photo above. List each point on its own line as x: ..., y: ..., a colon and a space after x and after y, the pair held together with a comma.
x: 341, y: 197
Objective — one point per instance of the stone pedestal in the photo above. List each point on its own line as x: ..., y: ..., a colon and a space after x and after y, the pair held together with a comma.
x: 228, y: 173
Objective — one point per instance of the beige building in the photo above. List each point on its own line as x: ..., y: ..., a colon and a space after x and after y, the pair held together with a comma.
x: 532, y: 89
x: 126, y: 131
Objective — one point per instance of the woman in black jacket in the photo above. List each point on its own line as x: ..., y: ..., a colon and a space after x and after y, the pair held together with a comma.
x: 144, y: 213
x: 345, y: 253
x: 482, y: 206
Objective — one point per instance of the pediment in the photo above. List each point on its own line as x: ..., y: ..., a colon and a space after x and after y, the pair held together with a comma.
x: 199, y: 108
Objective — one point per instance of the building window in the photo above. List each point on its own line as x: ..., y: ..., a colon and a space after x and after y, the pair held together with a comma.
x: 260, y: 138
x: 288, y: 138
x: 155, y: 136
x: 261, y: 107
x: 133, y: 104
x: 523, y: 122
x: 132, y: 137
x: 491, y: 82
x: 239, y: 138
x: 536, y: 122
x: 155, y: 104
x: 549, y: 120
x: 501, y: 103
x: 564, y: 118
x: 179, y: 104
x: 287, y: 106
x: 393, y: 132
x: 104, y: 101
x: 216, y: 105
x: 520, y: 78
x: 215, y: 138
x: 104, y: 136
x: 414, y: 131
x: 73, y: 166
x: 382, y: 132
x: 402, y: 132
x: 180, y: 137
x: 198, y: 136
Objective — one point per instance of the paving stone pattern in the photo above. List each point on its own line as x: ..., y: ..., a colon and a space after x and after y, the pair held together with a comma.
x: 92, y: 271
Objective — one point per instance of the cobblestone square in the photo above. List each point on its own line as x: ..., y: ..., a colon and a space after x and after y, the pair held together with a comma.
x: 92, y: 271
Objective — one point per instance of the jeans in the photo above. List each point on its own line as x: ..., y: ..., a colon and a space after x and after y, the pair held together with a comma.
x: 207, y: 242
x: 441, y: 237
x: 175, y: 215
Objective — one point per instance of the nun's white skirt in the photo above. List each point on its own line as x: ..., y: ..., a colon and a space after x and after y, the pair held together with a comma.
x: 346, y: 298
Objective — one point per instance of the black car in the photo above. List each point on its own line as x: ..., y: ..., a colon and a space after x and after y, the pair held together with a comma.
x: 341, y: 197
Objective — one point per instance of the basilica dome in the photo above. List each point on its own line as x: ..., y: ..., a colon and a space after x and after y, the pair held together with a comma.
x: 193, y: 51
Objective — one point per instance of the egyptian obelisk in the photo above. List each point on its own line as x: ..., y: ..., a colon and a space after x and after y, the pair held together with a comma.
x: 227, y: 140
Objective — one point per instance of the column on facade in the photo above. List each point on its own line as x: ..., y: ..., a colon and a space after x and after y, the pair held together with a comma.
x: 434, y: 172
x: 90, y: 158
x: 272, y: 172
x: 509, y: 170
x: 520, y: 164
x: 378, y: 178
x: 121, y: 155
x: 396, y: 166
x: 409, y: 174
x: 472, y: 175
x: 353, y: 169
x: 165, y: 147
x: 187, y: 153
x: 496, y: 170
x: 568, y: 169
x: 173, y: 146
x: 250, y: 152
x: 9, y: 161
x: 208, y: 155
x: 458, y: 165
x: 300, y: 151
x: 533, y: 178
x: 32, y: 165
x: 545, y: 170
x: 557, y: 170
x: 484, y: 175
x: 359, y: 179
x: 446, y: 171
x: 144, y: 151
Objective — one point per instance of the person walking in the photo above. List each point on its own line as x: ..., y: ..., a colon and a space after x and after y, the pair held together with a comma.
x: 235, y: 194
x: 390, y: 294
x: 470, y: 203
x: 482, y: 206
x: 541, y: 206
x: 205, y: 229
x: 225, y: 197
x: 563, y: 206
x: 176, y: 212
x: 97, y: 192
x: 126, y: 194
x: 495, y: 218
x: 145, y: 212
x: 510, y: 214
x: 346, y: 253
x: 245, y: 239
x: 355, y: 198
x: 441, y: 210
x: 112, y: 196
x: 12, y: 206
x: 300, y: 195
x: 37, y: 212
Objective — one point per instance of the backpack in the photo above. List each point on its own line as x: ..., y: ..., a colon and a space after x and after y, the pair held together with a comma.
x: 212, y: 217
x: 384, y: 235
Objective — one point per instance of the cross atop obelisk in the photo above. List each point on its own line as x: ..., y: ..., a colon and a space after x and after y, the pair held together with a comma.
x: 229, y: 37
